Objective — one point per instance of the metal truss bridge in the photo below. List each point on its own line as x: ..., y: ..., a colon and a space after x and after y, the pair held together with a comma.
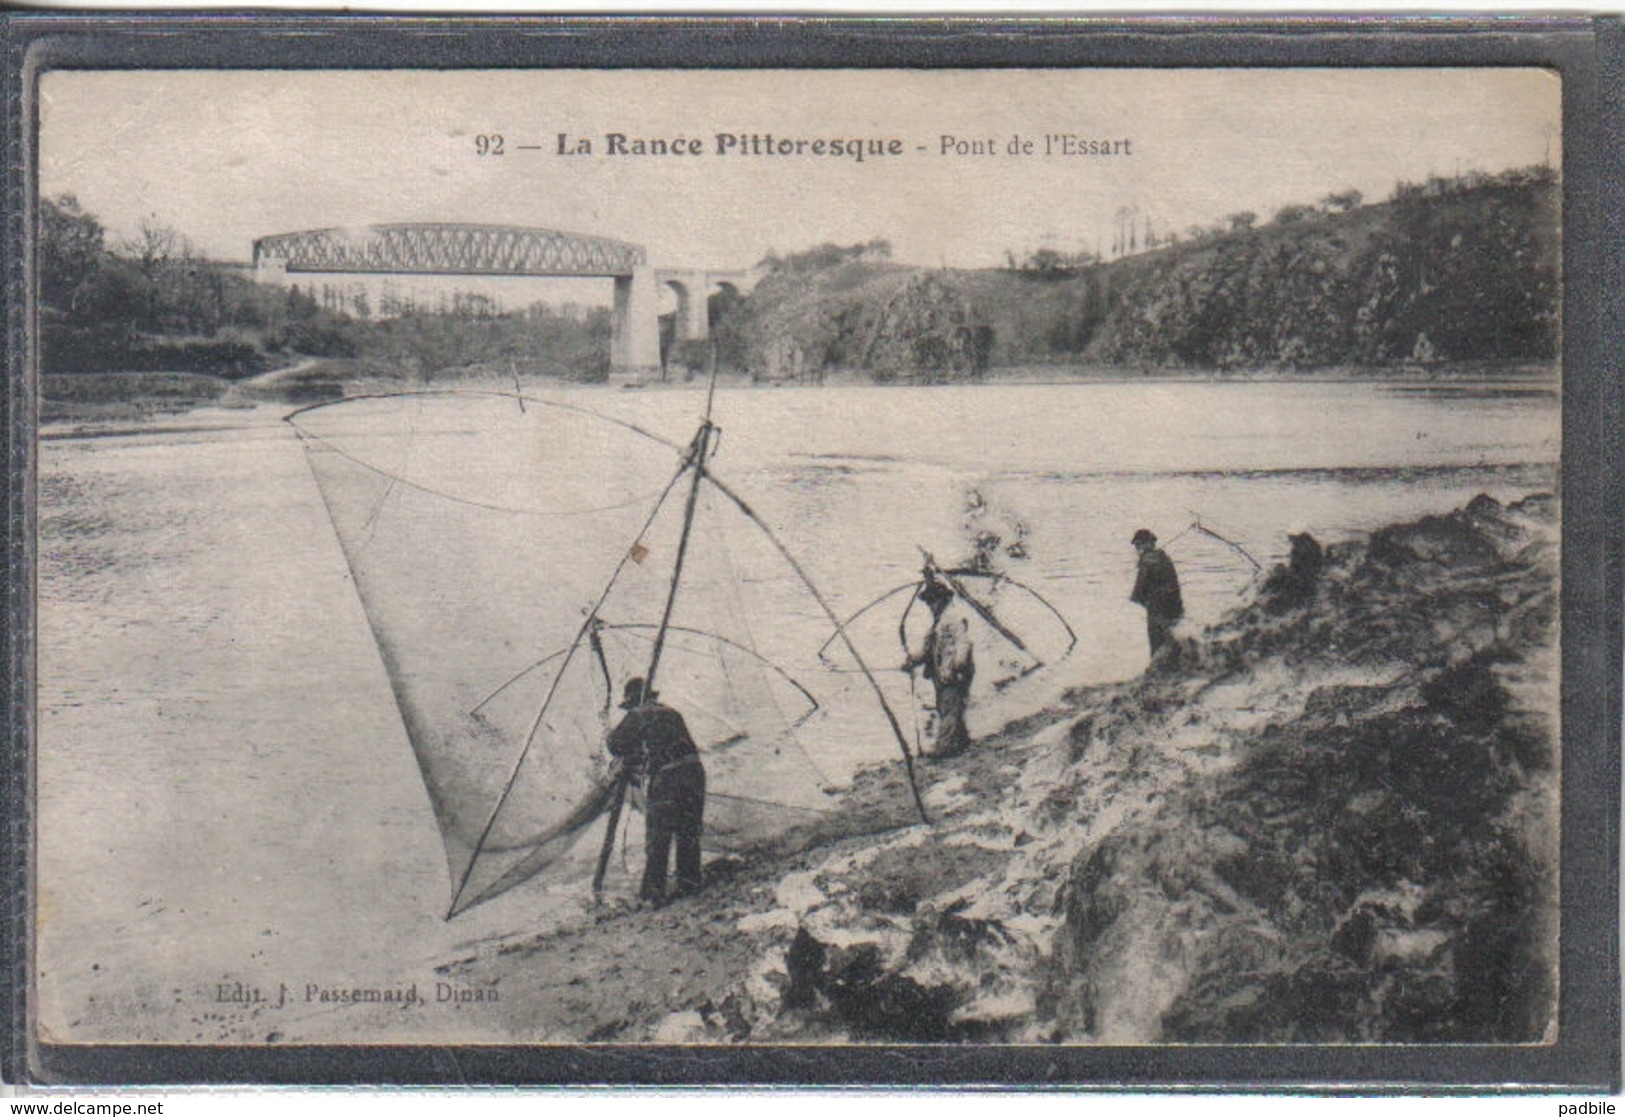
x: 444, y: 248
x: 448, y: 249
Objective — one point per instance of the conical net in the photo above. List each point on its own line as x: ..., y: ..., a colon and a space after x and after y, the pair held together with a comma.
x: 515, y: 559
x: 1014, y: 630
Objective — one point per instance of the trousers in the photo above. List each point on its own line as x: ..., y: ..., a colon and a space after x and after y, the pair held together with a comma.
x: 676, y: 812
x: 1160, y: 631
x: 953, y: 736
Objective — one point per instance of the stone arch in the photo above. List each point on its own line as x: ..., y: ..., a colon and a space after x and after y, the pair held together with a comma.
x: 693, y: 316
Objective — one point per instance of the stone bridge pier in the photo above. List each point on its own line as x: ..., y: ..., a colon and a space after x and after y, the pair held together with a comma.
x: 634, y: 341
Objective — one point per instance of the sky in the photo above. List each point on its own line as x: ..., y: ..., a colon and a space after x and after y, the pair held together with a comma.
x: 225, y: 157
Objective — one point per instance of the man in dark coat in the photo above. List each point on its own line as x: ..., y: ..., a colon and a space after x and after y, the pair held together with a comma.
x: 653, y: 740
x: 1156, y: 587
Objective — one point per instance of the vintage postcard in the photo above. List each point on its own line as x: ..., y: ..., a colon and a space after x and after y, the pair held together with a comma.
x: 799, y: 557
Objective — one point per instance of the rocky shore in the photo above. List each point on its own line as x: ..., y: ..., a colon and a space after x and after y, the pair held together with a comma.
x: 1333, y: 819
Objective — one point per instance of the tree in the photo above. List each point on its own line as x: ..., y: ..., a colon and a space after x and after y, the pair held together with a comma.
x: 1124, y: 241
x: 302, y: 306
x: 1344, y: 201
x: 1294, y: 214
x: 1405, y: 192
x: 71, y: 251
x: 1046, y: 263
x: 176, y: 288
x: 151, y: 248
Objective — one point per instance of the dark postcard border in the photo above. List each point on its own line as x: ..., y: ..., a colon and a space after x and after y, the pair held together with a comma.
x: 1590, y: 56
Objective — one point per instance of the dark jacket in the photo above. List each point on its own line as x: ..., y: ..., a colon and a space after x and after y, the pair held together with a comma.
x: 1157, y: 586
x: 651, y: 737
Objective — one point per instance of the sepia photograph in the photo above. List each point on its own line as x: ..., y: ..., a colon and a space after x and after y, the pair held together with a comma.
x: 793, y: 557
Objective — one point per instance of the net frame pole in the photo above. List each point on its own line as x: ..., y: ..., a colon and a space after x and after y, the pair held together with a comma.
x: 695, y: 461
x: 530, y: 737
x: 829, y: 612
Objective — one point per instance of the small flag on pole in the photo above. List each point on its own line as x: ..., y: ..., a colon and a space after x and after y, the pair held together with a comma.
x: 639, y: 552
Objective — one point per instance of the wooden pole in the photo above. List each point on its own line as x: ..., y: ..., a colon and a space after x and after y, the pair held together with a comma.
x: 696, y: 462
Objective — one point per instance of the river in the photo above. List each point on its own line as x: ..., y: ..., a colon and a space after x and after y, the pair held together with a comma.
x: 227, y: 796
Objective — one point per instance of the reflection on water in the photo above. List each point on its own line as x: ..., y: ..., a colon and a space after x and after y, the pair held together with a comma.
x: 1477, y: 391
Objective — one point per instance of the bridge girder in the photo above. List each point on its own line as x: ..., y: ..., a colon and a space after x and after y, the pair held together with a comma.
x: 450, y: 249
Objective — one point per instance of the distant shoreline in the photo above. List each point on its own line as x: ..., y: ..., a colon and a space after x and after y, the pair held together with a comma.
x: 125, y: 397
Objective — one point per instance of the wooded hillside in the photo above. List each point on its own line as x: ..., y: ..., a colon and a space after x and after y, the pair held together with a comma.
x: 1450, y: 270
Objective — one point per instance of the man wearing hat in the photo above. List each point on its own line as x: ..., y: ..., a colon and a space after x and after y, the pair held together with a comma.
x: 949, y: 662
x: 653, y: 740
x: 1156, y: 587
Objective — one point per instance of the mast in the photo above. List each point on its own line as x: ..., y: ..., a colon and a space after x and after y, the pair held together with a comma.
x: 695, y: 455
x: 588, y: 626
x: 695, y: 461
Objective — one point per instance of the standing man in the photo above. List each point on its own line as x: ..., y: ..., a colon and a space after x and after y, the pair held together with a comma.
x: 1156, y: 587
x: 949, y: 662
x: 653, y: 740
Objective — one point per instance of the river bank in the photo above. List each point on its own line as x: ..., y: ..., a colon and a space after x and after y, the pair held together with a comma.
x: 73, y: 401
x: 1334, y: 820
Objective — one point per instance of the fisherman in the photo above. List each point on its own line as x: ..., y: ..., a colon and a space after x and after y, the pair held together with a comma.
x: 652, y: 740
x: 1156, y: 587
x: 1307, y: 557
x: 1294, y: 582
x: 948, y: 660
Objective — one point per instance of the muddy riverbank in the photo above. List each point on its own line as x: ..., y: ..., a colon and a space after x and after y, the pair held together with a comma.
x: 1334, y: 820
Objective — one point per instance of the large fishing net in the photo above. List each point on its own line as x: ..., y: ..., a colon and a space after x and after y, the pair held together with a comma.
x: 515, y: 557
